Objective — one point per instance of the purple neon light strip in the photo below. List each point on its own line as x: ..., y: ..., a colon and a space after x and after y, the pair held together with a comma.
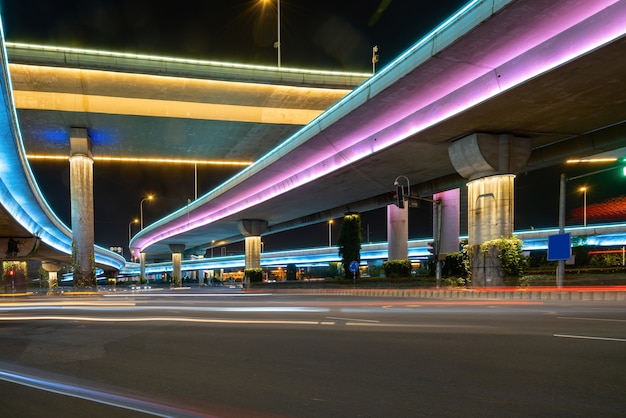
x: 583, y: 31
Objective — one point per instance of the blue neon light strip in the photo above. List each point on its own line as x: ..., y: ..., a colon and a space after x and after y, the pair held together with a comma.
x: 606, y: 235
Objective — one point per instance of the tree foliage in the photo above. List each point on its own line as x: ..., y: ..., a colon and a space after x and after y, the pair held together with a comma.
x: 350, y: 242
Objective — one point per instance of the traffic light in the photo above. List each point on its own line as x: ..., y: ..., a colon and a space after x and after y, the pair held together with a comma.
x: 432, y: 247
x: 399, y: 196
x: 11, y: 272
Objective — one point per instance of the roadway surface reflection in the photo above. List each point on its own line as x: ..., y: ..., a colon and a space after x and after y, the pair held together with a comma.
x: 263, y: 355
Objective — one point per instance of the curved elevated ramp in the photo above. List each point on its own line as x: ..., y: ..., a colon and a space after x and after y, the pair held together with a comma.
x: 26, y: 220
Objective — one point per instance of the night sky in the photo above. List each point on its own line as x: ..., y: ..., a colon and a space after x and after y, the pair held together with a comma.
x: 331, y: 35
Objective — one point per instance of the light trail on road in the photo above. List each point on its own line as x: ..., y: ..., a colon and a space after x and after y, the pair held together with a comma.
x: 586, y: 337
x: 94, y: 394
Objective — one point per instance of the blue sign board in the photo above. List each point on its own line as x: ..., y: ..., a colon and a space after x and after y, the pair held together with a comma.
x: 559, y: 247
x: 354, y: 266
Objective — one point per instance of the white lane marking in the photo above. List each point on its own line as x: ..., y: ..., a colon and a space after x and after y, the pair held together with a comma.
x: 351, y: 319
x: 586, y: 337
x: 592, y: 319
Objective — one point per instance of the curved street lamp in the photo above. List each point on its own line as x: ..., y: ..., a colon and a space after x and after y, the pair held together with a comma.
x: 134, y: 221
x: 150, y: 197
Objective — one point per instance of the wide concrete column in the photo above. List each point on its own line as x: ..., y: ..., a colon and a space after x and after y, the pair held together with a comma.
x: 488, y: 161
x: 397, y: 232
x: 252, y: 230
x: 52, y: 269
x: 490, y: 208
x: 82, y: 214
x: 177, y: 256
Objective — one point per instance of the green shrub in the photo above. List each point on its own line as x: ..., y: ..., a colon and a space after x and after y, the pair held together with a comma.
x: 454, y: 281
x: 255, y: 275
x: 512, y: 260
x: 397, y: 268
x: 605, y: 260
x: 456, y: 265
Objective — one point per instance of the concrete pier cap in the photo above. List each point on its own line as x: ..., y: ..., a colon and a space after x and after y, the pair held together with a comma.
x: 481, y: 154
x: 252, y: 227
x: 177, y: 248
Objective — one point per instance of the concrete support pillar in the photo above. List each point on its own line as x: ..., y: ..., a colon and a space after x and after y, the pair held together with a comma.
x: 488, y: 161
x: 252, y: 229
x: 52, y: 269
x: 253, y: 252
x: 397, y: 232
x: 446, y: 225
x: 490, y: 216
x: 490, y: 208
x: 177, y: 256
x: 142, y: 265
x: 81, y: 198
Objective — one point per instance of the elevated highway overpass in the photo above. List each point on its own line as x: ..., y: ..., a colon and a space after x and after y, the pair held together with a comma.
x: 551, y: 72
x: 138, y: 108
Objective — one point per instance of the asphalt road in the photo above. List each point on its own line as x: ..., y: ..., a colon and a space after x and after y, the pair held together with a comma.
x: 263, y: 355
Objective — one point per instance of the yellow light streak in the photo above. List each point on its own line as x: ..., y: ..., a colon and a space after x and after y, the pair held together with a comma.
x: 591, y: 160
x: 144, y: 160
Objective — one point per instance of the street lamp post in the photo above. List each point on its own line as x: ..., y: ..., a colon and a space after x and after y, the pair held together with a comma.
x: 330, y: 233
x: 150, y: 197
x: 277, y: 44
x: 134, y: 221
x: 584, y: 190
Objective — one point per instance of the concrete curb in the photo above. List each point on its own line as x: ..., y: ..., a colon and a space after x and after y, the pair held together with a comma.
x: 529, y: 294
